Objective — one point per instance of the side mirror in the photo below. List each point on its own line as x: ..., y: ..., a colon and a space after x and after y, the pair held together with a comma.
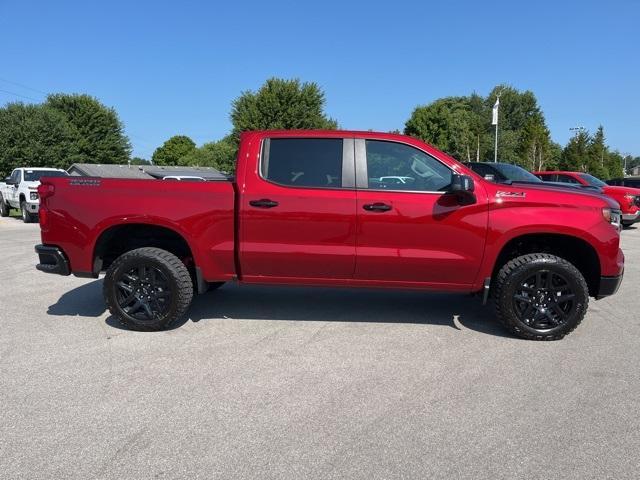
x: 462, y: 187
x: 8, y: 181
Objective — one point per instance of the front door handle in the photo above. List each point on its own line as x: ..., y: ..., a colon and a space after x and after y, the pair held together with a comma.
x: 377, y: 207
x: 263, y: 203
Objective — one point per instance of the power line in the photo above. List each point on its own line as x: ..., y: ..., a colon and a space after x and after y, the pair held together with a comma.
x: 22, y: 85
x: 18, y: 95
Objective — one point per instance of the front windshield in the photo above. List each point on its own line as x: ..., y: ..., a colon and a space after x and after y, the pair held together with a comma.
x: 36, y: 175
x: 516, y: 173
x: 593, y: 181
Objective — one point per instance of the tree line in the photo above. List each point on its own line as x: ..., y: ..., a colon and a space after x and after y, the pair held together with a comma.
x: 67, y: 129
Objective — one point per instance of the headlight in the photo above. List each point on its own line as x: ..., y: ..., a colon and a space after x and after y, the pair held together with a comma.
x: 614, y: 217
x: 33, y: 195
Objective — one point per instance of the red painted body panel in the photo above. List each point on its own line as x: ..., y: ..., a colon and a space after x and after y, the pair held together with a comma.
x: 201, y: 212
x: 618, y: 193
x: 324, y: 236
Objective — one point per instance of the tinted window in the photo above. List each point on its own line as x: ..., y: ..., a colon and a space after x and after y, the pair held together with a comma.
x: 516, y: 173
x: 36, y: 175
x: 396, y: 166
x: 303, y: 162
x: 593, y: 181
x: 483, y: 170
x: 567, y: 179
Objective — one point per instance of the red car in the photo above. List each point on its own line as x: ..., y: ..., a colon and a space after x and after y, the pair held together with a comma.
x: 627, y: 197
x: 328, y: 208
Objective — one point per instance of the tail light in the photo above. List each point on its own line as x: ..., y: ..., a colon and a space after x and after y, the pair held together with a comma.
x: 46, y: 190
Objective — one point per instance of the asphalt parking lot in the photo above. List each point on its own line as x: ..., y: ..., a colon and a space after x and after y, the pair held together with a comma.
x: 309, y: 383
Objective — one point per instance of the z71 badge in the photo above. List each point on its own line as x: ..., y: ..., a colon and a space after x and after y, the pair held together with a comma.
x: 503, y: 194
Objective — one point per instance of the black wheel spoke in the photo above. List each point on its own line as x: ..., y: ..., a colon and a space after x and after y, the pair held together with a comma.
x: 135, y: 307
x: 147, y: 309
x: 544, y: 300
x: 558, y: 311
x: 564, y: 298
x: 125, y: 286
x: 128, y: 300
x: 144, y: 292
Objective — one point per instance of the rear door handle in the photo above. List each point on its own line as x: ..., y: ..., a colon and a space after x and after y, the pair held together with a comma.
x: 377, y: 207
x: 263, y: 203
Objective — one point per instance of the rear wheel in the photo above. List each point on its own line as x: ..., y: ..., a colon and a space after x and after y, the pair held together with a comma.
x: 4, y: 208
x: 540, y: 296
x: 148, y: 289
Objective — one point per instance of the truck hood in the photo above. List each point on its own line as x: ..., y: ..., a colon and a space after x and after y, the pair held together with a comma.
x: 612, y: 189
x: 571, y: 195
x: 31, y: 185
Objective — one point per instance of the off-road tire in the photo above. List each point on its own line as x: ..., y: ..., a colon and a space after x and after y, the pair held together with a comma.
x: 175, y: 273
x: 508, y: 282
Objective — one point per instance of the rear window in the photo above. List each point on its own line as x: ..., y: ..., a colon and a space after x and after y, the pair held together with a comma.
x: 36, y: 175
x: 303, y: 162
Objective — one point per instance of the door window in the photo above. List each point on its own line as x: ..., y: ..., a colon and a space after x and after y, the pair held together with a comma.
x: 303, y: 162
x: 568, y: 179
x: 396, y: 166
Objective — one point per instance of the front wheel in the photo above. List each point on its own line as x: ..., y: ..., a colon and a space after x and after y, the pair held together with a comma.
x: 148, y: 289
x: 540, y: 296
x: 27, y: 217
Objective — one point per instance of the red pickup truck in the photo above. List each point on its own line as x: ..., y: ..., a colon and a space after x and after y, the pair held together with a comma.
x: 353, y: 209
x: 627, y: 197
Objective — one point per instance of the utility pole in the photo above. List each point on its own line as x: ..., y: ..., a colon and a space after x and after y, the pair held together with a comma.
x: 494, y: 121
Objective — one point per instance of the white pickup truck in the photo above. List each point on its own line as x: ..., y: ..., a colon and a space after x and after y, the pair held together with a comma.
x: 19, y: 190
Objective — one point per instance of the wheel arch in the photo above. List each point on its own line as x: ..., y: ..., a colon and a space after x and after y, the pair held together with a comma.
x: 118, y: 239
x: 575, y: 250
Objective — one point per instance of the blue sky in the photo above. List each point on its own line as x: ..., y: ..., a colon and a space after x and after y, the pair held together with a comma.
x: 174, y: 67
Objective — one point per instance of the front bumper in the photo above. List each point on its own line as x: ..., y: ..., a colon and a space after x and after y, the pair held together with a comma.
x: 52, y: 260
x: 609, y: 286
x: 631, y: 217
x: 33, y: 207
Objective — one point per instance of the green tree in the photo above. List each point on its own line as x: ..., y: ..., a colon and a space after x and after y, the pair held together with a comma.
x: 574, y: 155
x: 35, y: 136
x: 221, y: 155
x: 173, y: 151
x: 597, y: 151
x: 280, y: 104
x: 139, y: 161
x: 99, y: 132
x: 450, y: 124
x: 522, y: 128
x: 536, y: 145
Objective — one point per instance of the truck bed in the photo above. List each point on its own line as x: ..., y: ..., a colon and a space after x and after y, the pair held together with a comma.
x: 85, y: 208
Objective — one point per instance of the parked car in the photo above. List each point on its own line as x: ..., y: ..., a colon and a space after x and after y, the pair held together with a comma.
x: 304, y: 208
x: 507, y: 173
x: 19, y: 190
x: 627, y: 197
x: 633, y: 182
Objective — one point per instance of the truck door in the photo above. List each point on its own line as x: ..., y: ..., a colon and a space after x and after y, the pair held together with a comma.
x: 16, y: 178
x: 298, y: 210
x: 413, y: 231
